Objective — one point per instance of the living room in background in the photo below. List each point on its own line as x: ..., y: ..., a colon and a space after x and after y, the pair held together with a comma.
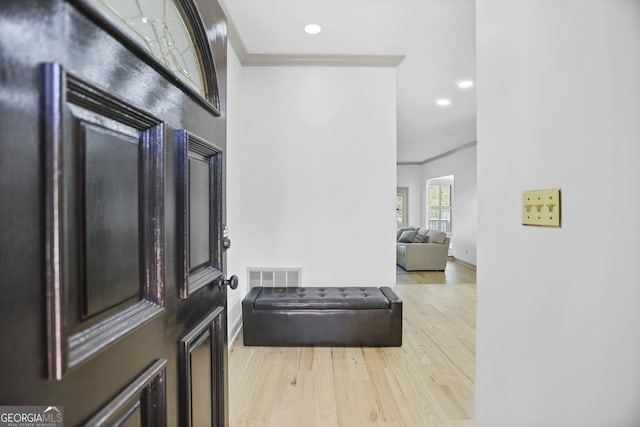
x: 402, y: 207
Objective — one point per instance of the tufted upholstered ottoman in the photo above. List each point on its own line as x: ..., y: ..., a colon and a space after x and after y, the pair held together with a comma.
x: 317, y: 316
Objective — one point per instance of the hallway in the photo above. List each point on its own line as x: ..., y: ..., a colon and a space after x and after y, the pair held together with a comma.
x: 429, y: 381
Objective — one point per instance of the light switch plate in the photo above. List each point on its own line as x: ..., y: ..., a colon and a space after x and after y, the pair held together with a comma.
x: 541, y: 208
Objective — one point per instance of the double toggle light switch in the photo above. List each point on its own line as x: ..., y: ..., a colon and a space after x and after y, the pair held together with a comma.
x: 541, y: 207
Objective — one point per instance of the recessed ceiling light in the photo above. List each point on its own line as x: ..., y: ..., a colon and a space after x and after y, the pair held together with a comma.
x: 312, y: 28
x: 443, y: 102
x: 464, y: 84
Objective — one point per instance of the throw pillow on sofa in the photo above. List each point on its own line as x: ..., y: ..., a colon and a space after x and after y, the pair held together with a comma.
x: 407, y: 236
x: 422, y: 236
x: 437, y: 236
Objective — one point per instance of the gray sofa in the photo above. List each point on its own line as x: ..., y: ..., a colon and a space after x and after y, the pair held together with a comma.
x: 421, y: 249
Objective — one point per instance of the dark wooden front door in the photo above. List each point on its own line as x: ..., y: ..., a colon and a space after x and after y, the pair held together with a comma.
x: 112, y: 281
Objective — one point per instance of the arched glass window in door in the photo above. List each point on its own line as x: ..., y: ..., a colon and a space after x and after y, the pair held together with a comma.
x: 172, y: 32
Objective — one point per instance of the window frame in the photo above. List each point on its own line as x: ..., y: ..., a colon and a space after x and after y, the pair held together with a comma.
x: 441, y: 182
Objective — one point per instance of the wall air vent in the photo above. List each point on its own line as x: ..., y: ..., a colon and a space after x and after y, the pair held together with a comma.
x: 274, y: 277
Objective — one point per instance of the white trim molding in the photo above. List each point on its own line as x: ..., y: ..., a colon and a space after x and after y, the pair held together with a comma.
x: 315, y: 60
x: 234, y: 316
x: 440, y: 156
x: 466, y: 264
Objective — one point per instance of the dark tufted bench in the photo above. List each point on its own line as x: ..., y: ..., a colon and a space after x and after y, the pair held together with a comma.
x: 315, y: 316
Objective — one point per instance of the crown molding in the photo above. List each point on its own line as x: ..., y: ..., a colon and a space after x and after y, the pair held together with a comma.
x: 440, y: 156
x: 233, y: 35
x: 317, y: 60
x: 236, y: 42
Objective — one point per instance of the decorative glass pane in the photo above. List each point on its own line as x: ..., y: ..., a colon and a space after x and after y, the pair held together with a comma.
x: 445, y: 195
x: 159, y: 26
x: 434, y: 195
x: 445, y: 214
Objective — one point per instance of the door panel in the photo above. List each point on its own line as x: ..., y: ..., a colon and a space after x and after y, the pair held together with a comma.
x: 142, y: 403
x: 202, y: 390
x: 91, y: 259
x: 111, y: 218
x: 104, y: 218
x: 199, y: 204
x: 200, y: 211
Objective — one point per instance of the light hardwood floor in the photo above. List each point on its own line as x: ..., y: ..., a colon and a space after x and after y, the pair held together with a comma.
x: 428, y: 381
x: 454, y: 273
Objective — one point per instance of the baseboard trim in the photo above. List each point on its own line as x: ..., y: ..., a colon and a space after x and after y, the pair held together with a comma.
x: 235, y: 331
x: 236, y: 326
x: 466, y: 264
x: 235, y: 335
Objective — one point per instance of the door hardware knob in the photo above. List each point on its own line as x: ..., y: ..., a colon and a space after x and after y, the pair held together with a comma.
x: 231, y: 282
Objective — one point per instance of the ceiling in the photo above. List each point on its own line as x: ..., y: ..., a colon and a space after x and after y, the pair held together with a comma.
x: 436, y: 38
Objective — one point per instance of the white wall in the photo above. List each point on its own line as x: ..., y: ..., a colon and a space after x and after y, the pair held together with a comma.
x: 558, y: 341
x: 463, y: 165
x: 410, y: 176
x: 235, y: 176
x: 319, y: 164
x: 312, y: 174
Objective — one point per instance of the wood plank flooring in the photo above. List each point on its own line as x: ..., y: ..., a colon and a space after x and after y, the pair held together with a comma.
x: 455, y: 273
x: 429, y: 381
